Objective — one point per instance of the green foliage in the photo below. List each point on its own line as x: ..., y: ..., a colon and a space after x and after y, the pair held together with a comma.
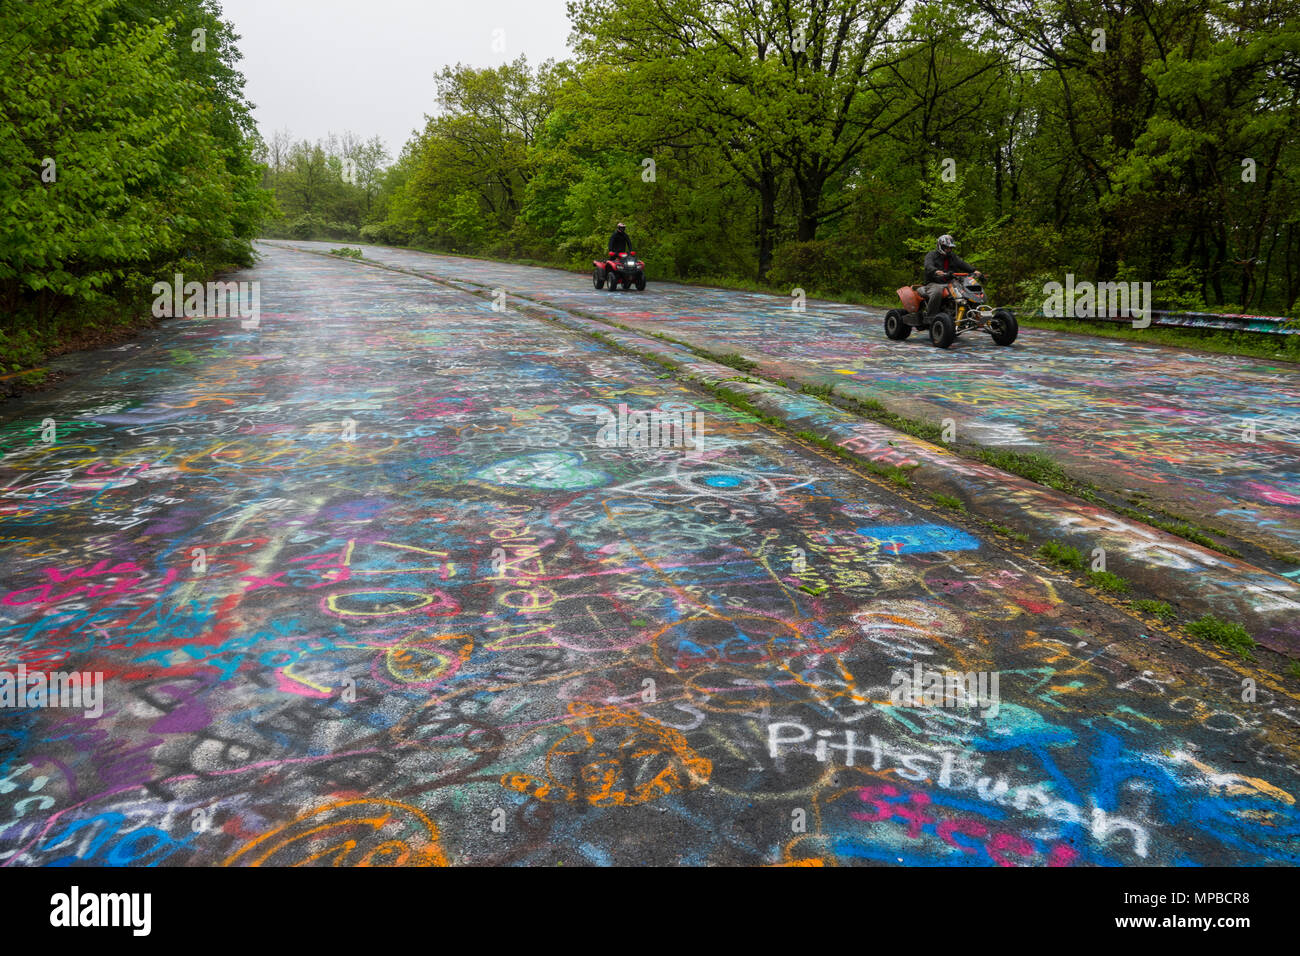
x: 126, y: 154
x: 737, y: 361
x: 1063, y: 555
x: 21, y: 347
x: 1106, y: 581
x: 1182, y: 290
x: 819, y: 265
x: 1157, y: 609
x: 1032, y: 465
x: 326, y: 189
x: 947, y: 209
x: 1227, y: 634
x: 1009, y: 532
x: 834, y: 166
x: 819, y: 391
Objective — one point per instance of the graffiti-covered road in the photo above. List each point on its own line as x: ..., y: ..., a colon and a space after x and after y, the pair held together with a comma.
x: 1212, y: 437
x: 365, y: 586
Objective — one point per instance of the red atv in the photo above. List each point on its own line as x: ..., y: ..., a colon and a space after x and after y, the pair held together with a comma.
x: 622, y: 267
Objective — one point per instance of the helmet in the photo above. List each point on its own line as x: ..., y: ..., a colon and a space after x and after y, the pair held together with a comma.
x: 620, y: 227
x: 947, y: 243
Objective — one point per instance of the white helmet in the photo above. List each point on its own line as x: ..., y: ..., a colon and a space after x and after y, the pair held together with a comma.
x: 947, y: 243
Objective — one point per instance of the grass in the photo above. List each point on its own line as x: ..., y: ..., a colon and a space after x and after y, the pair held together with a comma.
x: 346, y: 252
x: 1063, y: 556
x: 1294, y: 669
x: 1157, y: 609
x: 1009, y: 532
x: 737, y: 361
x: 817, y: 391
x: 1106, y: 581
x: 1255, y: 344
x: 1045, y: 471
x: 740, y: 402
x: 948, y: 501
x: 1180, y: 527
x: 1032, y: 465
x: 33, y: 378
x: 877, y: 412
x: 1224, y: 633
x: 898, y: 476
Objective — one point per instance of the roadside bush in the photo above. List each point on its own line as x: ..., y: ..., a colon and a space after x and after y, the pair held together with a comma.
x: 819, y: 264
x: 305, y: 227
x: 1182, y: 290
x: 386, y: 234
x: 121, y: 153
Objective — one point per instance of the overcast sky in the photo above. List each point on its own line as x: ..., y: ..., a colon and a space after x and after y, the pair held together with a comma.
x: 318, y: 66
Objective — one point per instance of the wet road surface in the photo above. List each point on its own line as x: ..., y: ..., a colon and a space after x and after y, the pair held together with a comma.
x: 1212, y: 437
x: 365, y: 585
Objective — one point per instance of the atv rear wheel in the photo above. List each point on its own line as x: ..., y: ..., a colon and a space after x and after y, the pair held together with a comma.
x: 895, y: 327
x: 1004, y: 327
x: 598, y: 278
x: 943, y: 330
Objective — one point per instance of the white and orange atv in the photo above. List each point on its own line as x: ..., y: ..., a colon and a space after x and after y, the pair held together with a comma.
x: 963, y: 310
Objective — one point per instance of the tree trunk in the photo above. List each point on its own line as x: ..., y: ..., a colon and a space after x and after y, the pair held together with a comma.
x: 1108, y: 253
x: 766, y: 218
x: 997, y: 179
x: 809, y: 204
x: 1216, y: 273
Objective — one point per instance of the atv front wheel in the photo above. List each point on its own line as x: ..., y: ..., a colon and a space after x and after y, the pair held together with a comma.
x: 895, y: 327
x: 1004, y: 327
x: 598, y: 278
x: 640, y: 283
x: 612, y: 280
x: 943, y: 330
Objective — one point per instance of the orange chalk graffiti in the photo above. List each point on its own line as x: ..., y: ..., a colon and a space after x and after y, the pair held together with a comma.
x: 614, y: 758
x: 348, y: 833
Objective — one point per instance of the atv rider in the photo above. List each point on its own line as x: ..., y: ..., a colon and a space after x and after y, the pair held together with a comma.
x: 620, y: 241
x: 940, y: 263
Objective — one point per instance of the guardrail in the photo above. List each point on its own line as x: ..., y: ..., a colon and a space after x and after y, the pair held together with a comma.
x: 1268, y: 324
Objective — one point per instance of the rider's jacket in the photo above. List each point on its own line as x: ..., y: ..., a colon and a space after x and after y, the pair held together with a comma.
x: 620, y: 242
x: 936, y: 261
